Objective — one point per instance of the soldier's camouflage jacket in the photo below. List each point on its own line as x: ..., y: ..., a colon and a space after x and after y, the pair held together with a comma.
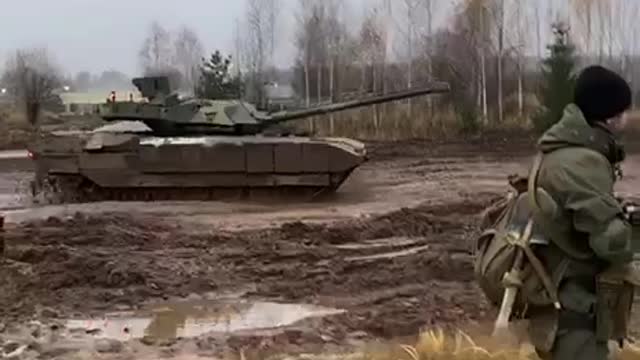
x: 588, y: 227
x: 579, y: 172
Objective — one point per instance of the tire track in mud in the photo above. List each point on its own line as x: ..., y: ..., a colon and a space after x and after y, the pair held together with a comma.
x: 90, y: 264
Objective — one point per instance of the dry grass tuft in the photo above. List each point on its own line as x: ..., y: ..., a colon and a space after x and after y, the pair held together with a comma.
x: 436, y: 345
x: 631, y: 352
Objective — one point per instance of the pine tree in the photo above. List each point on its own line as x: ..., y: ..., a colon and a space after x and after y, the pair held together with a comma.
x: 216, y: 82
x: 558, y: 79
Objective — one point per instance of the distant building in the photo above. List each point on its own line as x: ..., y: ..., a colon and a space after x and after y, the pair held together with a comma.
x: 80, y: 103
x: 279, y: 96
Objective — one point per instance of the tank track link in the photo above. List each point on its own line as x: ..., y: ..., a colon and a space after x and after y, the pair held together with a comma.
x: 68, y: 189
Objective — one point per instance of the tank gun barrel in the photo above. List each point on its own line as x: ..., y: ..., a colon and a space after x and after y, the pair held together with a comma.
x: 433, y: 88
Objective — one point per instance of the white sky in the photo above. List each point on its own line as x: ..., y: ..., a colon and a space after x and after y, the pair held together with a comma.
x: 98, y: 35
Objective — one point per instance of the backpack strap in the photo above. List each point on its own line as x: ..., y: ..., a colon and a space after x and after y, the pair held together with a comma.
x: 532, y: 183
x: 537, y: 265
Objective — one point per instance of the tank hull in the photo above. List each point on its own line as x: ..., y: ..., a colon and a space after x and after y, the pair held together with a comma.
x: 90, y: 166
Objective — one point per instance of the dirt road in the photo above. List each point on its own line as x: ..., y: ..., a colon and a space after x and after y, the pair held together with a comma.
x: 397, y: 176
x: 388, y: 256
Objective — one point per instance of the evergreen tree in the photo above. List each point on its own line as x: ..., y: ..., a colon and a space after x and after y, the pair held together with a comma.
x: 558, y: 79
x: 216, y: 81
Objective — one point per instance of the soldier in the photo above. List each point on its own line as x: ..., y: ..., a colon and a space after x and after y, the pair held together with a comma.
x: 581, y: 157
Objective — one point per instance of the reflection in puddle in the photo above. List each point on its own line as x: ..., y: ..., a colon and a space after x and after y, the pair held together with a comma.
x: 13, y: 154
x: 191, y: 319
x: 12, y: 202
x: 378, y: 243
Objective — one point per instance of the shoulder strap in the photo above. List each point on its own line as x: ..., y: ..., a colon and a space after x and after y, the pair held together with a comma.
x: 533, y: 181
x: 534, y: 261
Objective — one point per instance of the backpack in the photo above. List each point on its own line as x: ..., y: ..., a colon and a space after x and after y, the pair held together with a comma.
x: 509, y: 229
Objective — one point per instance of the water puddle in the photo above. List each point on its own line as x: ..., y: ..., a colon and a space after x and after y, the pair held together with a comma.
x: 390, y: 255
x: 7, y: 201
x: 385, y: 248
x: 13, y: 154
x: 192, y: 319
x: 378, y: 243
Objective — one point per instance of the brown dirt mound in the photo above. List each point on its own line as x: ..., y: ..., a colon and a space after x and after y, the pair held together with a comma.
x: 86, y: 264
x: 500, y: 144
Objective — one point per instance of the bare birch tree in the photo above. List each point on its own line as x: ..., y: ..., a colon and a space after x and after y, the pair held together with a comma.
x: 430, y: 12
x: 626, y: 30
x: 320, y: 45
x: 520, y: 23
x: 411, y: 8
x: 478, y: 18
x: 188, y: 56
x: 589, y: 16
x: 257, y: 47
x: 303, y: 38
x: 238, y: 48
x: 536, y: 8
x: 372, y: 53
x: 605, y: 11
x: 311, y: 45
x: 496, y: 9
x: 156, y: 52
x: 272, y: 7
x: 337, y: 45
x: 31, y: 77
x: 458, y: 59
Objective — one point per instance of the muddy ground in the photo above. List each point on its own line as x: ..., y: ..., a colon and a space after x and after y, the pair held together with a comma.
x: 391, y: 251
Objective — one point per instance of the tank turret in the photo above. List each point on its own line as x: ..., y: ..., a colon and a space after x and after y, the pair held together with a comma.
x: 167, y: 115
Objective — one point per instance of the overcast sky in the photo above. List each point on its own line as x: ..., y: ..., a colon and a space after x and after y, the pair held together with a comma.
x: 96, y: 35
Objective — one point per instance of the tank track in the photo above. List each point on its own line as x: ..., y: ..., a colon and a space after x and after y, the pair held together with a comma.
x: 66, y: 189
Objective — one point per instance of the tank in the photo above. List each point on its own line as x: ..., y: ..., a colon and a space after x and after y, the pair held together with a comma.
x: 172, y: 148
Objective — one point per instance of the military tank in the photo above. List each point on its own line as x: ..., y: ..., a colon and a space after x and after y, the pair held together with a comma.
x: 172, y: 148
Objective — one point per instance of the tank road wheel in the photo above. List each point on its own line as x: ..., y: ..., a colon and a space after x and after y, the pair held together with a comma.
x: 72, y: 189
x: 285, y: 193
x: 55, y: 189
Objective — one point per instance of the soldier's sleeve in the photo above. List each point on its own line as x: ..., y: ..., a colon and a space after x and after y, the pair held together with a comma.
x: 588, y: 188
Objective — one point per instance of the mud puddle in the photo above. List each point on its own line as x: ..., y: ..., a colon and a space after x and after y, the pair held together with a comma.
x: 207, y: 327
x: 191, y: 319
x: 10, y: 202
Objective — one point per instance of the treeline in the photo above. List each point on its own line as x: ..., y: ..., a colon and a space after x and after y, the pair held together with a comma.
x: 497, y: 55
